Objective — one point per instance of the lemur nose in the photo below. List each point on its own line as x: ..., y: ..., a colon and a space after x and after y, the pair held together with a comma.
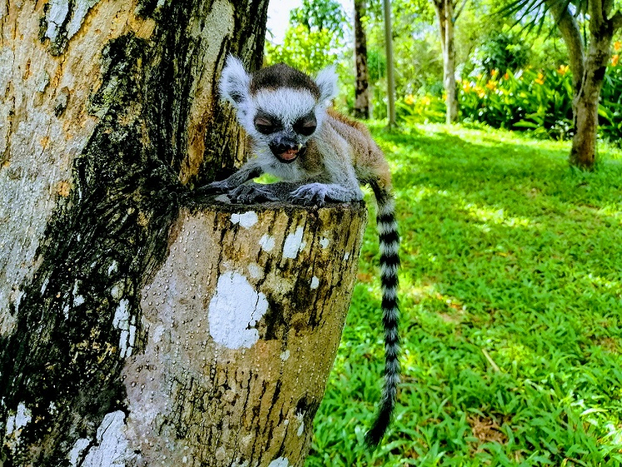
x: 283, y: 145
x: 278, y: 149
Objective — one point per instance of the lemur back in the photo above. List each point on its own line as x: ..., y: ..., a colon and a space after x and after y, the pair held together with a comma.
x: 321, y: 156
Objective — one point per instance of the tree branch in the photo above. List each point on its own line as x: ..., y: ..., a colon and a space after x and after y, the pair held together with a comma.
x: 571, y: 34
x: 597, y: 18
x: 616, y: 20
x: 459, y: 10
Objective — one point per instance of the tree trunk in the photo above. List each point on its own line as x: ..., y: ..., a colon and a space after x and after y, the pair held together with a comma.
x: 361, y: 91
x: 585, y: 104
x: 445, y: 14
x: 388, y: 39
x: 109, y: 112
x: 588, y: 73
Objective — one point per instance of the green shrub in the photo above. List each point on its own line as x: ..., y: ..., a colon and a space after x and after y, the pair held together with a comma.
x: 420, y: 109
x: 540, y: 101
x: 501, y: 51
x: 610, y: 108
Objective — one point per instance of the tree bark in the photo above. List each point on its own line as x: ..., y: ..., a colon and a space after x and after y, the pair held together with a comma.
x: 109, y: 113
x: 445, y: 14
x: 361, y: 91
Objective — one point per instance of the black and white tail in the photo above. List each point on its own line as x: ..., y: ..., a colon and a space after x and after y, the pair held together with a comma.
x: 389, y: 264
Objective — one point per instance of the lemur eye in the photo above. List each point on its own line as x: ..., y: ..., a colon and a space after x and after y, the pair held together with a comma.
x: 265, y: 125
x: 306, y: 125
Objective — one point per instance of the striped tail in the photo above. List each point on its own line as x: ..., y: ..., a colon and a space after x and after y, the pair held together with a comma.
x: 389, y: 264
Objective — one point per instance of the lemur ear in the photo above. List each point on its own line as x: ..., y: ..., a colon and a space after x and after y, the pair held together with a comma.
x: 234, y: 82
x: 327, y: 82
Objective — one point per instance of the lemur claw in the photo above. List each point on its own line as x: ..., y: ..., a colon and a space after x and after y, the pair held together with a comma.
x: 214, y: 188
x: 309, y: 195
x: 248, y: 194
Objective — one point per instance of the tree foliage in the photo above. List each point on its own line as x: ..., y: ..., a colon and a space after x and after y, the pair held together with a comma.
x: 502, y: 51
x: 321, y: 15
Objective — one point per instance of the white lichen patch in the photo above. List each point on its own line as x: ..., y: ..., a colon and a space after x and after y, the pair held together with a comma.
x: 117, y: 290
x: 157, y: 334
x: 300, y: 418
x: 293, y: 244
x: 57, y: 12
x: 44, y: 286
x: 112, y: 447
x: 280, y: 462
x: 324, y: 242
x: 246, y: 220
x: 76, y: 451
x: 113, y: 268
x: 255, y: 271
x: 234, y: 311
x: 285, y: 355
x: 19, y: 419
x: 57, y: 16
x: 121, y: 321
x: 346, y: 256
x: 267, y: 242
x: 80, y: 9
x: 315, y: 282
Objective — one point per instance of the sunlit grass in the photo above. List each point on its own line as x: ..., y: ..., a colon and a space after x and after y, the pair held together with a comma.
x: 511, y: 305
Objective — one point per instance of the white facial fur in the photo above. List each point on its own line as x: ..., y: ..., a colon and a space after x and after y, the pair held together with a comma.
x: 288, y: 104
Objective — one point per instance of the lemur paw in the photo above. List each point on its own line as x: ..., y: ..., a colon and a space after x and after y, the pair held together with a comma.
x: 213, y: 188
x: 248, y: 194
x: 313, y: 194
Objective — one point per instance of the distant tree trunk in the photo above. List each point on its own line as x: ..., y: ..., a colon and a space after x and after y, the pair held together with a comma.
x: 114, y: 350
x: 588, y: 72
x: 361, y: 91
x: 388, y: 39
x: 446, y: 18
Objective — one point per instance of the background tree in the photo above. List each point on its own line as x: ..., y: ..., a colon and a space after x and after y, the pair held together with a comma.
x: 447, y: 12
x: 361, y: 89
x: 314, y: 37
x: 588, y: 67
x: 138, y: 324
x: 388, y: 44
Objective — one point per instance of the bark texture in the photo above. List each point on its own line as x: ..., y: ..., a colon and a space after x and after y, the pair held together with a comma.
x: 109, y: 112
x: 361, y: 91
x: 588, y: 71
x: 446, y: 18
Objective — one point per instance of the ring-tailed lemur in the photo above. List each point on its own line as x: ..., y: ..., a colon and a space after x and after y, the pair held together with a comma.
x: 321, y: 156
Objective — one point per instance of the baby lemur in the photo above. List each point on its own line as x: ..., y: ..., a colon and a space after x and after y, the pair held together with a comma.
x: 320, y: 156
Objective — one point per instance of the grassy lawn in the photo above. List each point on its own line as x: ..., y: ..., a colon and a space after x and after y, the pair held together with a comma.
x: 511, y: 297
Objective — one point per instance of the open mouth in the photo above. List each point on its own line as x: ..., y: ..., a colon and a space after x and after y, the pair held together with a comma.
x: 290, y: 155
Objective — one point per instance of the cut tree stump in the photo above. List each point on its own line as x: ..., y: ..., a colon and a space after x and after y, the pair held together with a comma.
x: 241, y: 326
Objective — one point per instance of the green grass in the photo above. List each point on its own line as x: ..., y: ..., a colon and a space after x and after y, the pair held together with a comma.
x: 511, y: 298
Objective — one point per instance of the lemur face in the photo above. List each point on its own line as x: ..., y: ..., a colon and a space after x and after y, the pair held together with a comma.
x: 279, y: 107
x: 284, y: 120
